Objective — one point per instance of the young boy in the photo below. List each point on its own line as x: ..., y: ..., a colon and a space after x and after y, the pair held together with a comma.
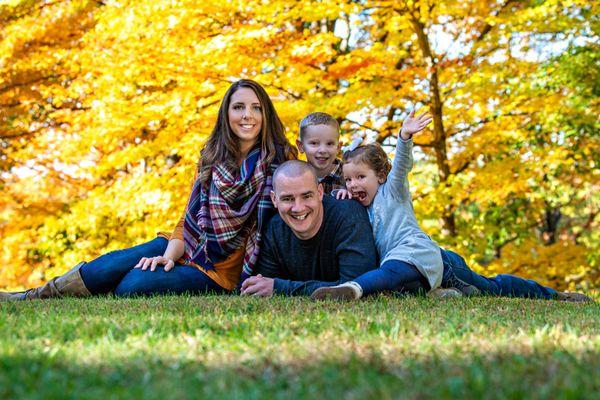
x: 320, y: 140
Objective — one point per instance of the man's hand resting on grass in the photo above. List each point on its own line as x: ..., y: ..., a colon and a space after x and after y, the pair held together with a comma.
x: 258, y: 286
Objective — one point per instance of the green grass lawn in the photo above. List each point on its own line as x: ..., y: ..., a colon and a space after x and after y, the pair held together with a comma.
x: 231, y: 347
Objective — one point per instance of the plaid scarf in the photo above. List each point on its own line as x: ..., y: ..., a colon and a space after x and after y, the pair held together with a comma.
x: 230, y: 215
x: 334, y: 180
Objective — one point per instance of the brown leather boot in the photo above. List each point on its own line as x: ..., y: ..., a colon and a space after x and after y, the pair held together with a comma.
x: 70, y: 284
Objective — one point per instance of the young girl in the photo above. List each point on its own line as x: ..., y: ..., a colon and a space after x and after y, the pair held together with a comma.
x: 409, y: 260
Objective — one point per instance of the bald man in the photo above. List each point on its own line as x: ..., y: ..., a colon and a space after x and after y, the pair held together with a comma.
x: 315, y: 240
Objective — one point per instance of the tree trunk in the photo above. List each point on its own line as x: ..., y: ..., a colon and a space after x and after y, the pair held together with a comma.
x: 439, y: 143
x: 552, y: 217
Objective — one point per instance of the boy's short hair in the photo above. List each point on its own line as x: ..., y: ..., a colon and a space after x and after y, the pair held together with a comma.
x: 318, y: 118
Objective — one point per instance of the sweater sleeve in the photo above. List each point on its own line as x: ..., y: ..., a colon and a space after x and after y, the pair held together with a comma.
x: 178, y: 230
x: 287, y: 287
x: 271, y: 266
x: 355, y: 253
x: 268, y: 264
x: 401, y: 166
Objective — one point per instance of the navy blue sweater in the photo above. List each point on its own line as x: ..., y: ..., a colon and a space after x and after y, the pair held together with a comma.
x: 342, y: 250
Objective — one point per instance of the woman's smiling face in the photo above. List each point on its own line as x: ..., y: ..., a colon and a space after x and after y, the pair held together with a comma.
x: 245, y: 117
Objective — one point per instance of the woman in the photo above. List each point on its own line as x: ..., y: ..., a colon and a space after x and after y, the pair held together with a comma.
x: 217, y: 241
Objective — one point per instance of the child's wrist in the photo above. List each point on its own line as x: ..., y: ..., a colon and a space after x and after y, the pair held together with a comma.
x: 405, y: 136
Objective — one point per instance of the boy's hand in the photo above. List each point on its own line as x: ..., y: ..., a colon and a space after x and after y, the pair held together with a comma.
x: 412, y: 124
x: 341, y: 194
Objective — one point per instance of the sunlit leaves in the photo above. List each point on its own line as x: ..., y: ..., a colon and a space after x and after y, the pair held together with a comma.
x: 104, y: 107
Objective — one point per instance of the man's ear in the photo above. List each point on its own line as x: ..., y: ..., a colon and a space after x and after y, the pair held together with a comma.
x: 320, y: 190
x: 299, y: 145
x: 273, y: 198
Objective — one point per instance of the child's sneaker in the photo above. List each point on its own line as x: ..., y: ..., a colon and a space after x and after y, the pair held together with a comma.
x: 441, y: 293
x: 463, y: 287
x: 345, y: 291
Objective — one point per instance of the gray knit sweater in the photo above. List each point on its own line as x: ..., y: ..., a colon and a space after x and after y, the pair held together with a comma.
x: 397, y: 233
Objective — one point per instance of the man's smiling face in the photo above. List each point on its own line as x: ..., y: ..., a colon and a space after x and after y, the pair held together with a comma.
x: 299, y: 203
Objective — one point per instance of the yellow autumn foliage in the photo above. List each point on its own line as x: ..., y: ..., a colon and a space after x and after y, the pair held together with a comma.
x: 104, y: 106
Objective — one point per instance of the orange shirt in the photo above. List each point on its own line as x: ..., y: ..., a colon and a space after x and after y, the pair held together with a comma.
x: 225, y: 273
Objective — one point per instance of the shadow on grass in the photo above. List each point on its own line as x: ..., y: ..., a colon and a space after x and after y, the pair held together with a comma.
x: 140, y: 351
x: 557, y: 375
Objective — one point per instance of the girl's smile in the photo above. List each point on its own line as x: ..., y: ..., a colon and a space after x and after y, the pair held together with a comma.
x: 361, y: 182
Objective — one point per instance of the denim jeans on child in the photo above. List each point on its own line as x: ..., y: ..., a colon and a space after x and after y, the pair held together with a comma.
x: 395, y: 275
x: 114, y: 272
x: 402, y: 277
x: 500, y: 285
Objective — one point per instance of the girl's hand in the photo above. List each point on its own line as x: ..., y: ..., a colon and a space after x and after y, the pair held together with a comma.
x: 341, y: 194
x: 412, y: 124
x: 152, y: 262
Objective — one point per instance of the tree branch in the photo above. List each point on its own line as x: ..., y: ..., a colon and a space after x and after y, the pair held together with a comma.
x: 10, y: 86
x: 485, y: 121
x: 488, y: 27
x: 499, y: 246
x: 462, y: 167
x: 362, y: 125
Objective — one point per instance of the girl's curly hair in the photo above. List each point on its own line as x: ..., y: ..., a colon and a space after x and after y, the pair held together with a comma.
x: 372, y: 155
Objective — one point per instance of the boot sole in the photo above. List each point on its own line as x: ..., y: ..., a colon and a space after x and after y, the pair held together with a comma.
x: 574, y: 297
x: 331, y: 293
x: 448, y: 293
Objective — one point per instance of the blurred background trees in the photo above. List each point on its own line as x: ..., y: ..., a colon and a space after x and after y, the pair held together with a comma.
x: 104, y: 106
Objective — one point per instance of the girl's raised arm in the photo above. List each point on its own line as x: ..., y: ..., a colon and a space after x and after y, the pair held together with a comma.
x: 403, y: 162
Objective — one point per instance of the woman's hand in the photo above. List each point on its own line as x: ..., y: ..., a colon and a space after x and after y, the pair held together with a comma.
x: 152, y: 262
x: 412, y: 124
x: 341, y: 194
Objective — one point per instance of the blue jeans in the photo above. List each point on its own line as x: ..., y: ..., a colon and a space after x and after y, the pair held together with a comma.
x: 500, y: 285
x: 114, y: 272
x: 396, y: 275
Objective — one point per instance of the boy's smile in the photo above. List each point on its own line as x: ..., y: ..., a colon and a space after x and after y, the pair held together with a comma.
x: 321, y: 145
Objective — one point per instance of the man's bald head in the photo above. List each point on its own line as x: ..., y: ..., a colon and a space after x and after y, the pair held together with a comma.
x: 298, y: 197
x: 293, y: 169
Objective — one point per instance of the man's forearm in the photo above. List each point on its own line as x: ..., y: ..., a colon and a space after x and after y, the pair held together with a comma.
x: 299, y: 288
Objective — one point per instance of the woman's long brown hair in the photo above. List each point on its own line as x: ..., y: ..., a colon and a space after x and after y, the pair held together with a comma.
x: 223, y: 146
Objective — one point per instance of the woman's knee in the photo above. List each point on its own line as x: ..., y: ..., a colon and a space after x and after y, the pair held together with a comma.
x: 133, y: 254
x: 126, y: 290
x: 147, y: 283
x: 133, y: 284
